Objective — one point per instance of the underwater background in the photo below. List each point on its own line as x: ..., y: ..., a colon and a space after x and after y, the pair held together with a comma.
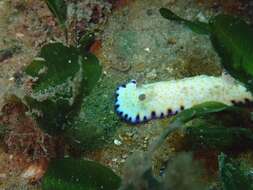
x: 61, y: 63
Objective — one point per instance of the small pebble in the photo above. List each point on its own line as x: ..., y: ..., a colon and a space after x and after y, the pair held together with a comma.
x: 121, y: 137
x: 11, y: 79
x: 130, y: 134
x: 117, y: 142
x: 3, y: 175
x: 201, y: 17
x: 152, y: 74
x: 5, y: 54
x: 172, y: 41
x: 20, y: 35
x: 114, y: 159
x: 139, y: 67
x: 124, y: 156
x: 169, y: 69
x: 149, y: 12
x: 147, y: 49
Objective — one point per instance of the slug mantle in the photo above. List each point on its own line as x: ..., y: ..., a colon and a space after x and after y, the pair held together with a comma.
x: 137, y: 104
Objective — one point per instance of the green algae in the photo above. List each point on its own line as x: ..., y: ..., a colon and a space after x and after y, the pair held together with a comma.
x: 234, y: 48
x: 97, y: 122
x: 225, y: 32
x: 63, y: 76
x: 78, y: 174
x: 98, y: 107
x: 58, y: 75
x: 3, y: 131
x: 196, y: 26
x: 59, y: 10
x: 233, y: 174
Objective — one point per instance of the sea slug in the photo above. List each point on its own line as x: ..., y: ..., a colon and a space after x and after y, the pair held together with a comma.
x: 137, y: 104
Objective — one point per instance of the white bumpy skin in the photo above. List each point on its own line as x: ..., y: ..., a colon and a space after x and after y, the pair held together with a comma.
x: 137, y: 104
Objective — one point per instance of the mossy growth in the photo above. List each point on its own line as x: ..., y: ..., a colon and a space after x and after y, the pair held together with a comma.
x: 97, y: 121
x: 3, y: 131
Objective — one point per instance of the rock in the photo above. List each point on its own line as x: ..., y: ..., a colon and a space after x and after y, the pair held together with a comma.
x: 152, y: 74
x: 35, y: 171
x: 117, y: 142
x: 172, y: 41
x: 3, y: 176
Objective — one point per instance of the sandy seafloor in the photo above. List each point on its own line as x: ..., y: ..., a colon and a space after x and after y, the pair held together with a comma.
x: 137, y: 43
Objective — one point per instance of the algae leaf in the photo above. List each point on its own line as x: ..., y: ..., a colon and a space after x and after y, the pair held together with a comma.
x: 196, y: 26
x: 92, y: 71
x: 210, y: 128
x: 58, y: 76
x: 199, y: 110
x: 215, y: 126
x: 232, y: 175
x: 59, y: 10
x: 59, y: 85
x: 180, y: 119
x: 231, y: 37
x: 35, y: 67
x: 77, y: 174
x: 86, y: 40
x: 233, y: 40
x: 222, y: 138
x: 3, y: 131
x: 57, y: 64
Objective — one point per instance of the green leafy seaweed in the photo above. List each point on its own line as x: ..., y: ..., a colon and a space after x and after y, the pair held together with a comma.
x: 233, y: 40
x: 77, y: 174
x: 86, y: 40
x: 231, y: 37
x: 61, y: 75
x: 92, y: 71
x: 35, y: 67
x: 218, y: 138
x: 196, y: 26
x: 232, y: 175
x: 215, y: 126
x: 59, y: 10
x: 58, y: 75
x: 180, y: 119
x: 3, y: 131
x: 212, y: 126
x: 57, y: 64
x: 82, y: 137
x: 199, y: 110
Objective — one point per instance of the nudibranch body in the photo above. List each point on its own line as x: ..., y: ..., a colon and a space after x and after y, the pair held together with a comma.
x: 136, y: 104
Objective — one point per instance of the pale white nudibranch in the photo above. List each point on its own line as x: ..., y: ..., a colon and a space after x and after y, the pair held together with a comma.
x: 136, y: 104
